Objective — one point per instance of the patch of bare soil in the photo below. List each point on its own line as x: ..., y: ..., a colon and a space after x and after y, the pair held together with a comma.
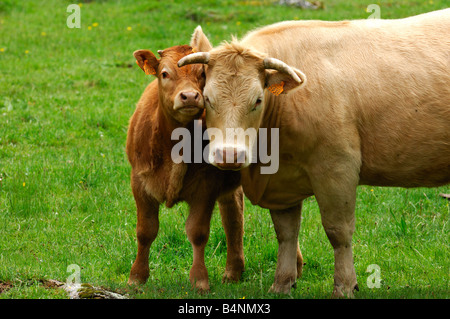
x: 5, y: 286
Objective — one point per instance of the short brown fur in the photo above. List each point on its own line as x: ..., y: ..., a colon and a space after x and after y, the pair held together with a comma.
x: 155, y: 178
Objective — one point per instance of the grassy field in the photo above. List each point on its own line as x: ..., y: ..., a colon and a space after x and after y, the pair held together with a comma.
x: 65, y: 99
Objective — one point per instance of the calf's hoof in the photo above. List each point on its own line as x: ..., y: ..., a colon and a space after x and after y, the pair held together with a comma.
x: 231, y: 276
x: 198, y: 276
x: 202, y: 286
x: 135, y: 281
x: 138, y: 276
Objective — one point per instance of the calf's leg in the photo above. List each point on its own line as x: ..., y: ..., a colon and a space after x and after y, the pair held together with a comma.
x: 287, y: 226
x: 197, y: 231
x: 231, y: 208
x: 299, y: 261
x: 146, y: 230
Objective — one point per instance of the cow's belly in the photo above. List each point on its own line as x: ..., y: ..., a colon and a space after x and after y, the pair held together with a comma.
x: 407, y: 151
x: 405, y: 169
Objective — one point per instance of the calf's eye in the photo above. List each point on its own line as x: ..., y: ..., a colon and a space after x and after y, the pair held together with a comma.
x: 165, y: 75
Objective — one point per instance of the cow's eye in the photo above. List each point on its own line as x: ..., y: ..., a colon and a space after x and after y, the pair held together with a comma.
x: 165, y: 75
x: 257, y: 104
x: 208, y: 103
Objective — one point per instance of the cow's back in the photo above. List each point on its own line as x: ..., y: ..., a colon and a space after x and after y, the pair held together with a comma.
x: 381, y: 86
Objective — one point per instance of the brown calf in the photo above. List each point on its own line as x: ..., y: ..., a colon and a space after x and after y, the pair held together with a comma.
x: 171, y: 102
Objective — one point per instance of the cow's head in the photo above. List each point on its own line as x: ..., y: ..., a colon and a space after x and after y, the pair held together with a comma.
x: 180, y: 89
x: 236, y: 80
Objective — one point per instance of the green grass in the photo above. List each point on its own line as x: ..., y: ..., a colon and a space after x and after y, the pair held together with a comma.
x: 65, y: 99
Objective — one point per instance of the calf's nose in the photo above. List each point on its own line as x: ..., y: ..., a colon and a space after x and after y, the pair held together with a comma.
x: 190, y: 97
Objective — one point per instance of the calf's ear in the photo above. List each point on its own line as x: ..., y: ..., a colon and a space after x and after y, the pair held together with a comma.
x: 199, y: 41
x: 146, y: 61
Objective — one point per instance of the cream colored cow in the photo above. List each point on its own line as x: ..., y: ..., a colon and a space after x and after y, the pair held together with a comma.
x: 375, y: 110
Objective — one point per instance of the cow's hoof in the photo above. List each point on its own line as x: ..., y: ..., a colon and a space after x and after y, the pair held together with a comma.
x: 340, y: 291
x: 281, y: 289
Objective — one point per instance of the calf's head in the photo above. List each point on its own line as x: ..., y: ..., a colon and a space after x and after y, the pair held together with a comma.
x: 180, y: 89
x: 236, y: 80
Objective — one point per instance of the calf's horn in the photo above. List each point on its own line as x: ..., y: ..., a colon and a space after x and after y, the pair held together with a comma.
x: 199, y: 57
x: 275, y: 64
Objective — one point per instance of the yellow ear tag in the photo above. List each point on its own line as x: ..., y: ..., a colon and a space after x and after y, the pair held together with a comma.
x: 148, y: 69
x: 194, y: 50
x: 276, y: 89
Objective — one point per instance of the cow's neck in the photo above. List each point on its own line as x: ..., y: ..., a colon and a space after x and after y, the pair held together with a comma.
x: 272, y: 111
x: 253, y: 182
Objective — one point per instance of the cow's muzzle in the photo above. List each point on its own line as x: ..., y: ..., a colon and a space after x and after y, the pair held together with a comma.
x: 230, y: 158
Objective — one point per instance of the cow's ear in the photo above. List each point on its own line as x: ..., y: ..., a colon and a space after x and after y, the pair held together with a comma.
x: 199, y: 41
x: 146, y: 61
x: 279, y: 82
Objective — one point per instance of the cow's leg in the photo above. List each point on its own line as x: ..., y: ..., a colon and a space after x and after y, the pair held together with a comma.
x: 231, y: 208
x: 197, y: 230
x: 146, y: 230
x: 287, y: 226
x: 336, y: 195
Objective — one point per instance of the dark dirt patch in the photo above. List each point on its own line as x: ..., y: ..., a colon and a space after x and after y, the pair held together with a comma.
x: 5, y: 286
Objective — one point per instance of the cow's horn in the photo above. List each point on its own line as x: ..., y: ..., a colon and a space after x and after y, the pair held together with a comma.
x: 199, y: 57
x: 275, y: 64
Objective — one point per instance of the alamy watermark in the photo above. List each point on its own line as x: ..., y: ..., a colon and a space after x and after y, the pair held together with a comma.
x: 185, y: 152
x: 374, y: 279
x: 75, y: 277
x: 74, y: 19
x: 375, y: 8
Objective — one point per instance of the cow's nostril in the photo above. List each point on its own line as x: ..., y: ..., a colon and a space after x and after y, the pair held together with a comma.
x: 183, y: 96
x: 197, y: 96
